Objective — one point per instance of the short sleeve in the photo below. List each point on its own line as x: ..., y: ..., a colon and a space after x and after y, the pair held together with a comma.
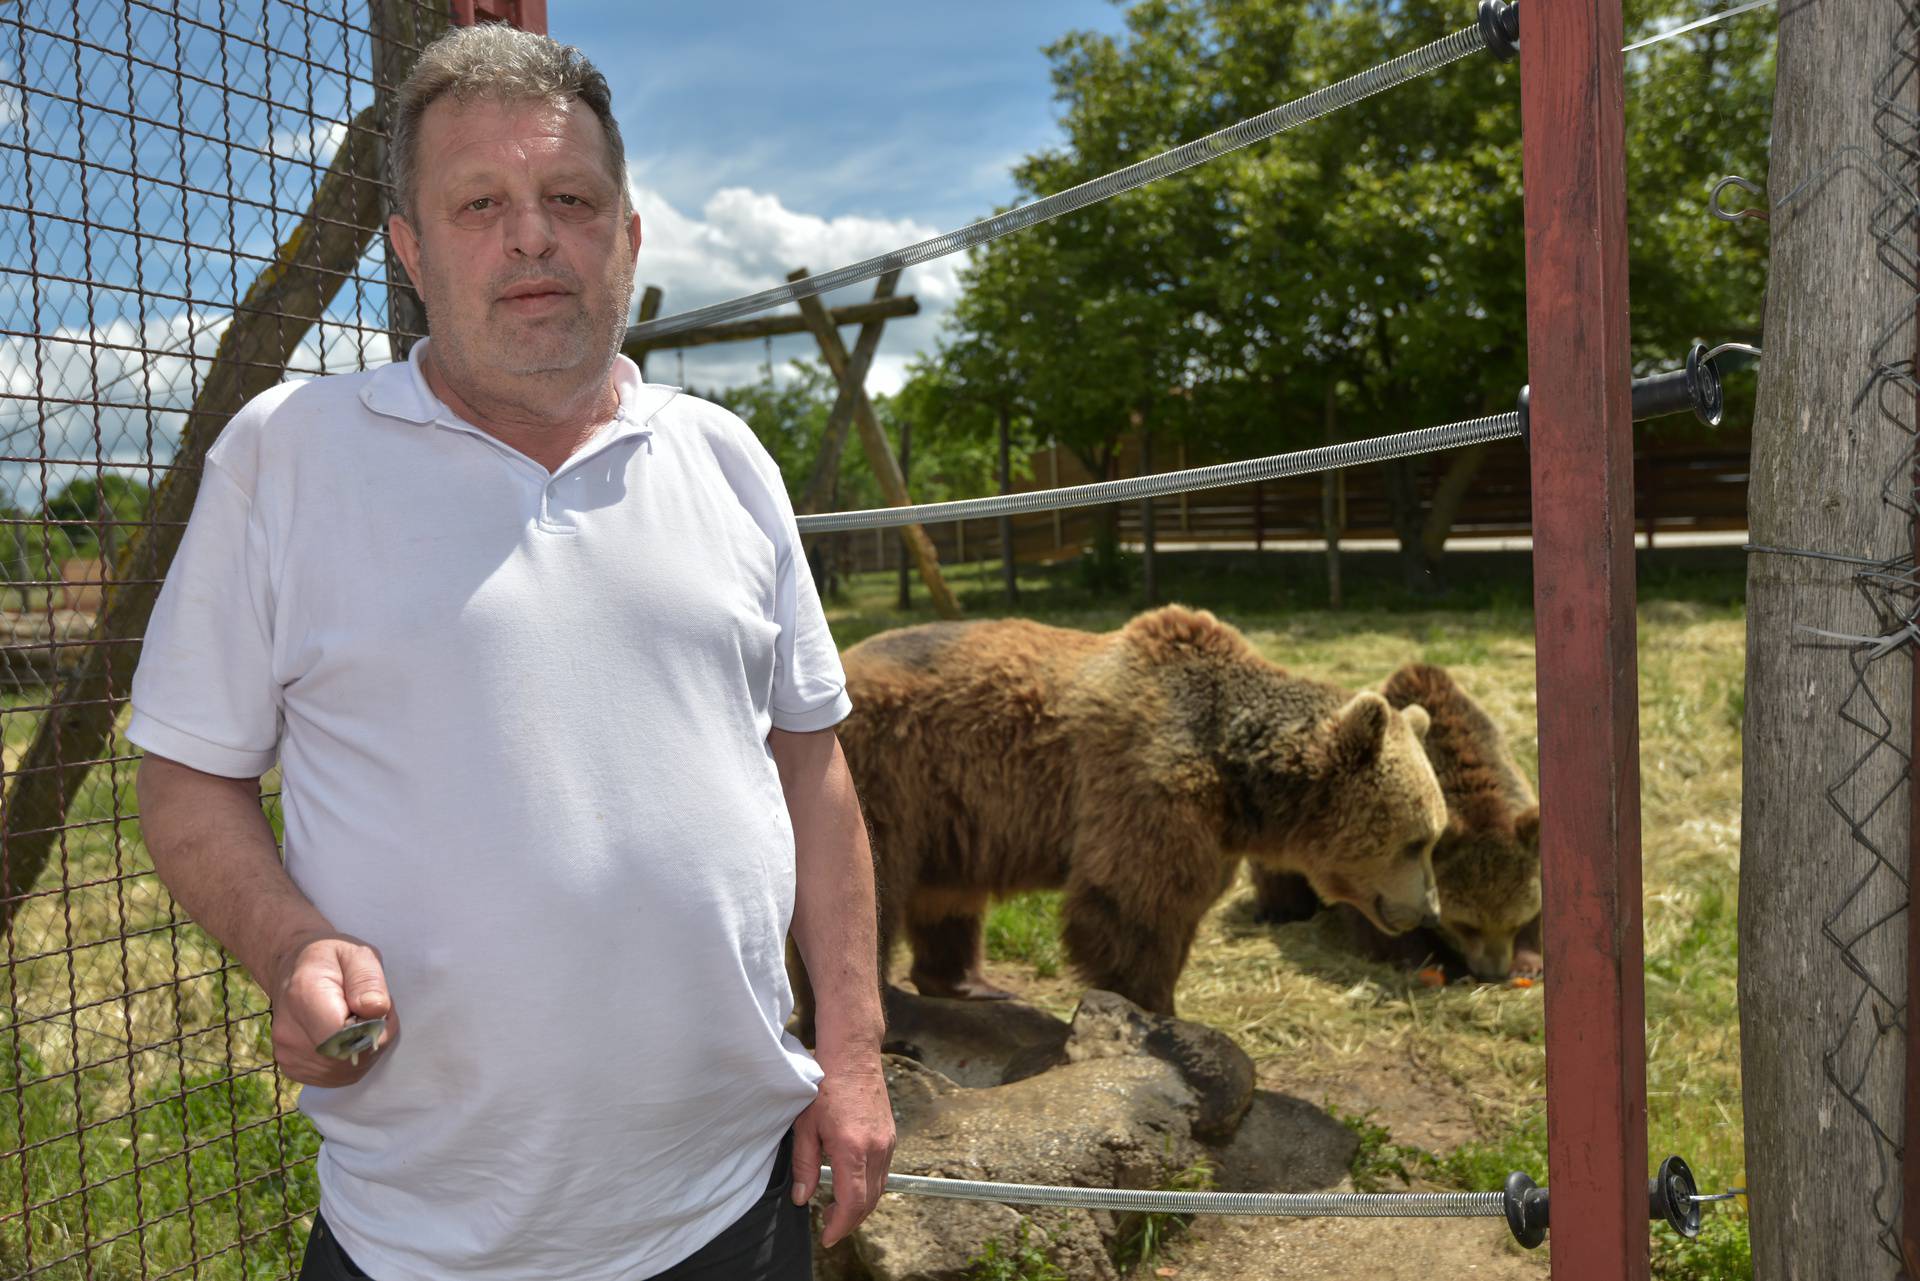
x: 204, y: 693
x: 809, y: 687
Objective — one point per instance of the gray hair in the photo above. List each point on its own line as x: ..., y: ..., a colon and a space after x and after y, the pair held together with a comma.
x: 497, y: 62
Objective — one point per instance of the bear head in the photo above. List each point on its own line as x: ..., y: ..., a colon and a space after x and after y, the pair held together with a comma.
x: 1487, y: 861
x: 1489, y: 884
x: 1356, y: 809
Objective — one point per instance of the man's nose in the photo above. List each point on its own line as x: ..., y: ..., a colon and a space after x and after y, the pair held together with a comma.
x: 529, y: 231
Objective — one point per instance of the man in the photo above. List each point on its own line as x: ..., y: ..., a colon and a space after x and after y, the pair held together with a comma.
x: 536, y: 649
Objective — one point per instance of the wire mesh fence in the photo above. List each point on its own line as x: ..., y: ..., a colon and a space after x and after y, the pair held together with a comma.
x: 190, y: 200
x: 1865, y: 1055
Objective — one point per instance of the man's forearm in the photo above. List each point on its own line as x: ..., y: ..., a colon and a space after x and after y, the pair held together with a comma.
x: 215, y: 853
x: 834, y: 923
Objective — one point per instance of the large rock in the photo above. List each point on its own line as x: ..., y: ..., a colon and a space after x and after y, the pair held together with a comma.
x: 1120, y: 1098
x: 971, y: 1043
x: 1283, y: 1144
x: 1110, y: 1026
x: 1105, y: 1123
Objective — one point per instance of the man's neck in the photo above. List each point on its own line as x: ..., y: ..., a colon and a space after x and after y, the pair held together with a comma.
x: 546, y: 426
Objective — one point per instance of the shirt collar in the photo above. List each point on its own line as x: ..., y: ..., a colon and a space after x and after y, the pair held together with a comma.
x: 401, y: 391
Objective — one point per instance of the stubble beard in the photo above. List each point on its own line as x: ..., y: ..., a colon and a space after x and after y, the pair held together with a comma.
x: 478, y: 354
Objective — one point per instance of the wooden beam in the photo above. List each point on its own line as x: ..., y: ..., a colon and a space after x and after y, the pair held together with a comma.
x: 833, y: 441
x: 787, y: 322
x: 879, y: 454
x: 285, y: 301
x: 400, y: 30
x: 1573, y: 131
x: 1910, y: 1147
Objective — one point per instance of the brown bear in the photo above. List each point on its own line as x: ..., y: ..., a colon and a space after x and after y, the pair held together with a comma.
x: 1133, y: 769
x: 1487, y: 863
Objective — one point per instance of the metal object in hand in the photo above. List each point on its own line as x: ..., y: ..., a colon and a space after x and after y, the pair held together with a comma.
x: 353, y: 1040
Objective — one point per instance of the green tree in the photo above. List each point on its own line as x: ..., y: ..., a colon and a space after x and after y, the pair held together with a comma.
x: 789, y: 416
x: 94, y: 512
x: 1366, y: 268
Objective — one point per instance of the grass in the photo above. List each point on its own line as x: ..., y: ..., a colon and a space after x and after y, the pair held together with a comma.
x: 1147, y: 1235
x: 140, y: 1128
x: 1026, y: 929
x: 1018, y: 1260
x: 1305, y: 1008
x: 202, y: 1166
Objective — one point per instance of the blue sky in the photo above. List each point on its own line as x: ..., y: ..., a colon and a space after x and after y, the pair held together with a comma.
x: 904, y: 110
x: 761, y: 137
x: 766, y: 136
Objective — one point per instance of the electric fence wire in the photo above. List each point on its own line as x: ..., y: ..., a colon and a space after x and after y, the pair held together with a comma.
x: 1378, y: 449
x: 1707, y: 21
x: 1321, y: 102
x: 1341, y: 1205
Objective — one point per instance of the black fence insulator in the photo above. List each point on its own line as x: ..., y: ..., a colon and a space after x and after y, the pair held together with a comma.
x: 1672, y: 1197
x: 1500, y: 28
x: 1695, y: 388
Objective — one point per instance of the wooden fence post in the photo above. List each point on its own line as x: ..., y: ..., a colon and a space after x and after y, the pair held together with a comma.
x: 1573, y: 130
x: 880, y: 457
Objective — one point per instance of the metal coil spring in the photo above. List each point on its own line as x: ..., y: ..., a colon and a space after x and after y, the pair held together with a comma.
x: 1348, y: 1205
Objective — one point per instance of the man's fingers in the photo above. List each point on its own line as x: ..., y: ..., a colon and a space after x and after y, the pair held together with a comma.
x: 850, y: 1202
x: 364, y: 983
x: 333, y: 981
x: 806, y: 1159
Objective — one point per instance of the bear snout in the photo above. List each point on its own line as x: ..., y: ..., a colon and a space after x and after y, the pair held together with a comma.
x: 1398, y: 918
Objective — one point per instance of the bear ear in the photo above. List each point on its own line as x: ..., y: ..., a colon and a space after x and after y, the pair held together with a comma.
x: 1359, y: 730
x: 1418, y: 720
x: 1527, y: 827
x: 1417, y: 683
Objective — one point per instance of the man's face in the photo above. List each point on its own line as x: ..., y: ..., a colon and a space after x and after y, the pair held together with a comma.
x: 520, y: 246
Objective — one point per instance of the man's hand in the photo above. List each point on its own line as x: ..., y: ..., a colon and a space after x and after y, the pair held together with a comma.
x: 851, y: 1124
x: 323, y: 983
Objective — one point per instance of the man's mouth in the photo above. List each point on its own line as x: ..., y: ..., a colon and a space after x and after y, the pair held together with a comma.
x: 533, y: 297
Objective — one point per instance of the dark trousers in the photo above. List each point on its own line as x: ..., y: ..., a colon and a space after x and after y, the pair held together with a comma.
x: 772, y: 1241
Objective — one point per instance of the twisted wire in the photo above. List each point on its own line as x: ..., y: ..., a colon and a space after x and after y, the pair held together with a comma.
x: 1321, y: 102
x: 1344, y: 1205
x: 1303, y: 462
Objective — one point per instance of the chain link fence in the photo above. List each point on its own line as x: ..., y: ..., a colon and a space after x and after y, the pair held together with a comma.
x: 190, y: 201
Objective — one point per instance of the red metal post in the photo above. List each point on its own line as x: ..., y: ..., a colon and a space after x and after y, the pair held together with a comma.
x: 528, y: 15
x: 1574, y: 152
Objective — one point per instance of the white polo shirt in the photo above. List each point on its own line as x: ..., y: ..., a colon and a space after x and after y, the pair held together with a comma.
x: 522, y: 724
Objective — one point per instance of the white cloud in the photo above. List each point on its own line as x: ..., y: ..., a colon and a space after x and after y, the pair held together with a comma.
x: 13, y: 106
x: 744, y: 240
x: 141, y: 373
x: 316, y: 142
x: 134, y: 381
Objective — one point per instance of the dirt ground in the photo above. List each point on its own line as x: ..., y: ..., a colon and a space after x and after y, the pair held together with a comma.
x: 1417, y: 1106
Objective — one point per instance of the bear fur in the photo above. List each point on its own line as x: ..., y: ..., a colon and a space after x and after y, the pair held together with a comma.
x: 1133, y: 769
x: 1487, y: 863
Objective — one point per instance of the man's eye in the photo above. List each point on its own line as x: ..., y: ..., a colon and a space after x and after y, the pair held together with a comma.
x: 480, y: 203
x: 565, y: 199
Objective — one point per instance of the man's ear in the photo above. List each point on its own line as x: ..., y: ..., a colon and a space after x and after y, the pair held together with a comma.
x: 407, y: 244
x: 633, y: 239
